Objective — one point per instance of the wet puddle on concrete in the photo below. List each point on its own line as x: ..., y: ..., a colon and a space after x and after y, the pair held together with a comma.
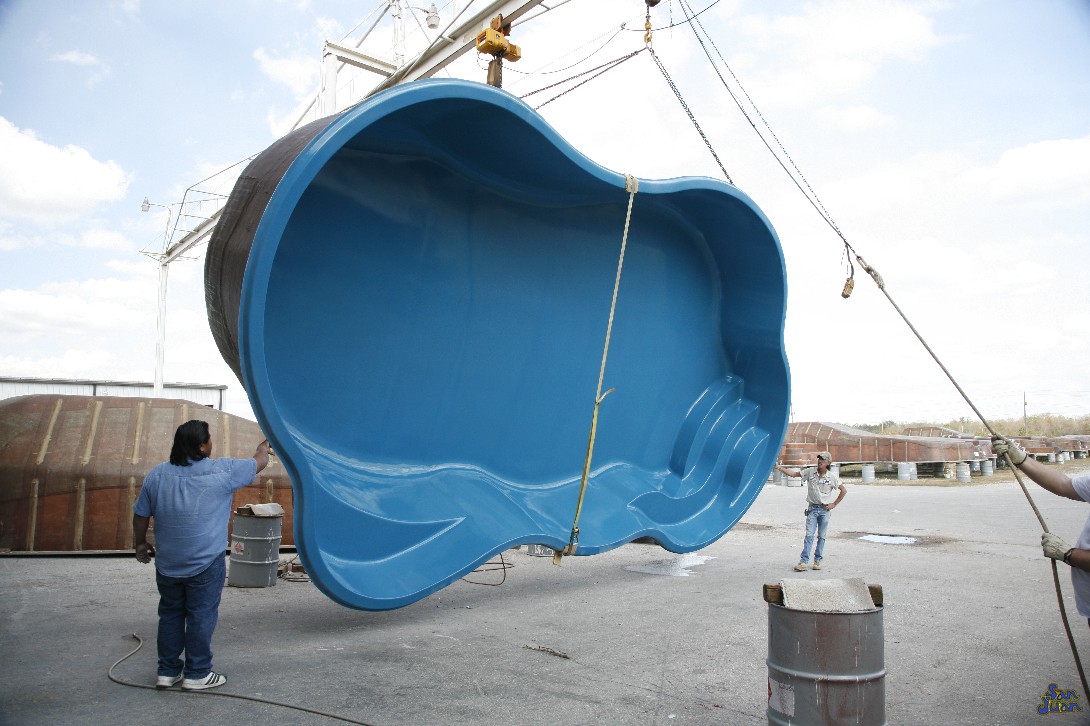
x: 676, y: 567
x: 888, y: 539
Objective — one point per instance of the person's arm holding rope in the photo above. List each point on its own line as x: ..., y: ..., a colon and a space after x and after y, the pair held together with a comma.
x: 796, y: 473
x: 1047, y: 477
x: 1059, y: 484
x: 1056, y: 548
x: 261, y: 455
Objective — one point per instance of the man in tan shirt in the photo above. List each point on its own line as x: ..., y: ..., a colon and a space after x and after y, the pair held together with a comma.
x: 824, y: 491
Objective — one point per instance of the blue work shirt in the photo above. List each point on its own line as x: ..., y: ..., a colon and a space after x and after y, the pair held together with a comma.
x: 191, y: 506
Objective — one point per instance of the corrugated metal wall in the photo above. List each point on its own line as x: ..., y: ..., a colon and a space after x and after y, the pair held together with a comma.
x: 209, y: 395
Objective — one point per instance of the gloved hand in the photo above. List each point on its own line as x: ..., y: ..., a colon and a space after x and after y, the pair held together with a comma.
x: 1001, y: 446
x: 1054, y: 546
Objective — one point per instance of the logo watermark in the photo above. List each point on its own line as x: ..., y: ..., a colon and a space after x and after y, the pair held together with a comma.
x: 1056, y: 701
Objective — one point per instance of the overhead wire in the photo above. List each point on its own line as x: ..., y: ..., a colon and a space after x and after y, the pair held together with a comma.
x: 798, y: 178
x: 686, y: 22
x: 590, y: 55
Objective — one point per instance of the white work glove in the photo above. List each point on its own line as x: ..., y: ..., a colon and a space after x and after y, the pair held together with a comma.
x: 1001, y: 446
x: 1054, y: 547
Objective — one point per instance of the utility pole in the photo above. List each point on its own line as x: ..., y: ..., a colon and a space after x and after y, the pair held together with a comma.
x: 1025, y: 424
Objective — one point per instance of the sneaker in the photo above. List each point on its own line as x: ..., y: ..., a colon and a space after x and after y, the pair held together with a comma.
x: 167, y: 681
x: 817, y: 565
x: 212, y: 680
x: 801, y: 567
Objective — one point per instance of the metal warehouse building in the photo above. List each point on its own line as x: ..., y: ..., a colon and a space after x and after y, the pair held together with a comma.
x: 207, y: 394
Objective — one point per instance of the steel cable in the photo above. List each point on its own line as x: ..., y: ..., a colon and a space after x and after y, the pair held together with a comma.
x: 674, y: 88
x: 607, y: 66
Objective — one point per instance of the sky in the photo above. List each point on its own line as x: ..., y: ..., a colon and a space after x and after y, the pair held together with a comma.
x: 948, y: 141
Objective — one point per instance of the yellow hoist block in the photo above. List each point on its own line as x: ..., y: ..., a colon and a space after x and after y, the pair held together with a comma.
x: 493, y: 42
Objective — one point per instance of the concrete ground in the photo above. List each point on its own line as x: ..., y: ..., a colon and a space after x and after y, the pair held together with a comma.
x: 972, y: 629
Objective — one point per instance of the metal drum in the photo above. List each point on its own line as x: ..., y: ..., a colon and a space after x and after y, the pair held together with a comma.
x: 826, y: 668
x: 255, y: 551
x: 963, y: 473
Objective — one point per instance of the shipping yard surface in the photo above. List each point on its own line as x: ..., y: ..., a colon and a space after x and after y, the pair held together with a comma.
x: 635, y: 636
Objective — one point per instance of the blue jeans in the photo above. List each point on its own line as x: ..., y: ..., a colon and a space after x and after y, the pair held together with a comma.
x: 817, y: 520
x: 188, y: 612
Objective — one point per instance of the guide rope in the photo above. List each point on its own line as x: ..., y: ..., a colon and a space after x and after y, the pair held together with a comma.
x: 800, y: 181
x: 632, y: 185
x: 1017, y: 474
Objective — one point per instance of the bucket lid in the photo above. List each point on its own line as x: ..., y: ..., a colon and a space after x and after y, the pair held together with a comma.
x: 260, y: 510
x: 827, y: 596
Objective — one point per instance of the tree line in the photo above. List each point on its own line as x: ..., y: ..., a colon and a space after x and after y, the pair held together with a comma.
x: 1042, y: 424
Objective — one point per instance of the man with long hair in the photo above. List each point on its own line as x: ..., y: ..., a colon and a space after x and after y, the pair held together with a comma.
x: 189, y: 497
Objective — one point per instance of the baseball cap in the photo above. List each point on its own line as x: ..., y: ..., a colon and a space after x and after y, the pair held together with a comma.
x: 825, y: 455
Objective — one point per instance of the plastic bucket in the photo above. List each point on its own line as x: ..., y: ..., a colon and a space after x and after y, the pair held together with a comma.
x: 255, y: 551
x: 826, y: 667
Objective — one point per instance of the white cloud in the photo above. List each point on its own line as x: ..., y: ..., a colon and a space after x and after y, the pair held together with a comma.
x: 11, y: 240
x: 71, y: 363
x: 1056, y: 171
x: 71, y: 308
x: 97, y: 327
x: 281, y: 124
x: 832, y: 30
x: 852, y: 118
x: 105, y: 327
x: 50, y: 184
x: 299, y: 73
x: 100, y: 239
x: 93, y: 238
x: 77, y: 58
x: 99, y: 70
x: 836, y: 47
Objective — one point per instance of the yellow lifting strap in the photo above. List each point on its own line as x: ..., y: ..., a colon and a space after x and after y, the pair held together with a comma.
x: 631, y: 185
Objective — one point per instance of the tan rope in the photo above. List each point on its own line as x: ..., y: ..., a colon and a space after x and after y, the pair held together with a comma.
x: 1017, y: 474
x: 631, y: 185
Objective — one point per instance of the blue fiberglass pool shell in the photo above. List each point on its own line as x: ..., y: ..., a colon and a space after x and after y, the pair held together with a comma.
x: 421, y: 327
